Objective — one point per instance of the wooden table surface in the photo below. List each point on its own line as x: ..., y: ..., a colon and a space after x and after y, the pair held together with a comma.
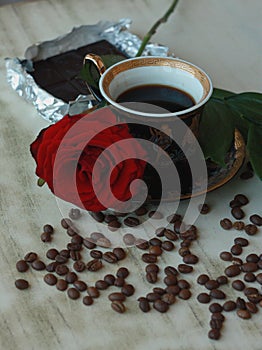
x: 224, y: 38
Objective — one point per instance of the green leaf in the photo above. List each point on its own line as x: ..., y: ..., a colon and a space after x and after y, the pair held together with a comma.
x: 216, y: 131
x: 254, y: 147
x: 221, y: 94
x: 248, y: 105
x: 40, y: 182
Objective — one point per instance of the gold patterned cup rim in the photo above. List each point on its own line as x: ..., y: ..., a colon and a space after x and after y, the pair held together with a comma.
x: 111, y: 73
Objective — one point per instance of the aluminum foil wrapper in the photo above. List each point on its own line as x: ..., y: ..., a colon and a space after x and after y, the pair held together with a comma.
x: 49, y: 107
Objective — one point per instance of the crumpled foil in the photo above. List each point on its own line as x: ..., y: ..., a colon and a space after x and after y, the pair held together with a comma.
x: 49, y: 107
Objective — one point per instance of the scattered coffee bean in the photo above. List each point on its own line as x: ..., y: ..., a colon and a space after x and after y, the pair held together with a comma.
x: 170, y: 235
x: 152, y: 268
x: 79, y: 266
x: 173, y: 218
x: 96, y: 235
x: 48, y: 228
x: 250, y: 290
x: 203, y: 298
x: 168, y: 246
x: 250, y: 277
x: 74, y: 214
x: 160, y: 232
x: 129, y: 239
x: 202, y: 279
x: 118, y: 306
x: 159, y: 290
x: 61, y: 285
x: 128, y: 290
x: 149, y: 258
x: 46, y: 237
x: 256, y: 219
x: 101, y: 285
x: 238, y: 225
x: 88, y: 243
x: 65, y: 253
x: 175, y: 290
x: 254, y: 258
x: 87, y: 300
x: 215, y: 307
x: 184, y: 294
x: 211, y: 284
x: 116, y: 296
x: 110, y: 279
x: 236, y: 249
x: 214, y: 334
x: 226, y: 224
x: 155, y: 250
x: 251, y: 307
x: 103, y: 242
x: 119, y: 253
x: 161, y: 306
x: 151, y: 277
x: 183, y: 284
x: 171, y: 270
x: 245, y: 314
x: 52, y: 266
x: 170, y: 280
x: 251, y: 229
x: 93, y: 292
x: 75, y: 255
x: 38, y: 265
x: 156, y: 215
x: 30, y: 257
x: 237, y: 213
x: 141, y: 211
x: 259, y: 278
x: 183, y: 251
x: 183, y: 268
x: 80, y: 285
x: 238, y: 285
x: 155, y: 242
x: 247, y: 174
x: 22, y: 266
x: 241, y: 241
x: 218, y: 316
x: 114, y: 225
x: 204, y: 208
x: 232, y: 270
x: 109, y: 218
x: 237, y: 261
x: 94, y: 265
x: 226, y: 256
x: 249, y: 267
x: 110, y: 257
x: 21, y: 284
x: 222, y: 280
x: 190, y: 259
x: 66, y: 223
x: 71, y: 231
x: 169, y: 298
x: 229, y: 305
x: 141, y: 244
x: 216, y: 324
x: 61, y: 259
x: 119, y: 282
x: 131, y: 221
x: 96, y: 254
x: 240, y: 303
x: 61, y: 270
x: 144, y: 304
x: 217, y: 294
x: 50, y: 279
x: 153, y: 296
x: 98, y: 216
x: 71, y: 277
x: 122, y: 272
x: 234, y: 203
x: 73, y: 293
x: 73, y: 247
x: 242, y: 199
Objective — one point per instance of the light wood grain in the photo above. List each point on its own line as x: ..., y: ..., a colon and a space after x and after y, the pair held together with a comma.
x: 220, y: 36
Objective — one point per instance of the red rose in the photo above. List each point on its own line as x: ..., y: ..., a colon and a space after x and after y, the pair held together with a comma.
x: 66, y: 152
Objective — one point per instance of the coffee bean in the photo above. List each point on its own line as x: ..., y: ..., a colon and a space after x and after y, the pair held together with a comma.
x: 183, y: 284
x: 237, y: 261
x: 251, y: 307
x: 245, y: 314
x: 46, y: 237
x: 52, y: 266
x: 110, y: 257
x: 71, y: 277
x: 254, y: 298
x: 170, y: 235
x: 175, y: 290
x: 171, y: 270
x: 238, y: 285
x: 128, y: 290
x: 88, y: 243
x: 215, y: 307
x: 160, y: 306
x: 30, y: 257
x: 226, y: 256
x: 79, y: 266
x: 241, y: 241
x: 155, y: 250
x: 98, y: 216
x: 65, y: 253
x: 74, y: 247
x: 217, y: 294
x: 152, y: 268
x: 250, y: 290
x: 204, y: 208
x: 151, y: 277
x: 236, y: 249
x: 119, y: 253
x: 141, y: 244
x: 254, y: 258
x: 229, y: 305
x: 114, y: 225
x: 226, y: 224
x: 116, y: 296
x: 242, y: 199
x: 77, y: 239
x: 232, y: 271
x: 168, y: 298
x: 61, y: 285
x: 202, y: 279
x: 103, y: 242
x: 96, y: 235
x: 160, y: 232
x: 131, y: 221
x: 101, y: 285
x: 66, y: 223
x: 72, y: 231
x: 38, y: 265
x: 109, y: 218
x: 247, y: 174
x: 118, y: 306
x: 156, y: 215
x: 144, y: 305
x: 149, y: 258
x: 173, y: 218
x: 183, y: 268
x: 93, y: 292
x: 155, y: 242
x: 234, y: 203
x: 74, y: 214
x: 50, y: 279
x: 73, y: 293
x: 119, y: 282
x: 129, y: 239
x: 177, y: 226
x: 203, y: 298
x: 216, y: 324
x: 237, y: 213
x: 122, y: 272
x: 48, y: 228
x: 170, y: 280
x: 184, y: 294
x: 222, y: 280
x: 21, y: 284
x: 217, y: 316
x: 94, y: 265
x: 80, y: 285
x: 214, y: 334
x: 184, y: 251
x: 238, y: 225
x: 75, y: 255
x: 240, y: 303
x: 249, y: 277
x: 211, y: 284
x: 110, y: 279
x: 159, y: 290
x: 61, y: 270
x: 168, y: 246
x: 153, y: 296
x: 259, y: 278
x: 61, y: 259
x: 22, y: 266
x: 141, y: 211
x: 87, y: 300
x: 190, y: 259
x: 249, y: 267
x: 256, y: 219
x: 251, y: 229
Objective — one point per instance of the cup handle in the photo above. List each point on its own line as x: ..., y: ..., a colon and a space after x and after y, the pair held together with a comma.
x: 92, y: 84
